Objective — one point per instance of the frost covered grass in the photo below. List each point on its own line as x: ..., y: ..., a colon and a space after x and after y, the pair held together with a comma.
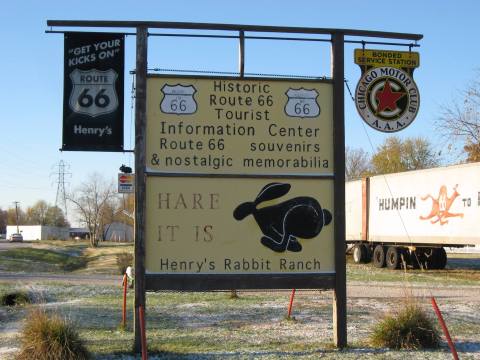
x: 210, y: 325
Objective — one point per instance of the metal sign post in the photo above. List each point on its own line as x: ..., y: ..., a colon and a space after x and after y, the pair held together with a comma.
x: 340, y: 289
x: 140, y: 177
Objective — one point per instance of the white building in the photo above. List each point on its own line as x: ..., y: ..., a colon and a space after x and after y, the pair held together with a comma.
x: 39, y: 232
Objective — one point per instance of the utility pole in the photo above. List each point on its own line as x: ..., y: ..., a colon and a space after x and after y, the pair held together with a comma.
x: 16, y: 215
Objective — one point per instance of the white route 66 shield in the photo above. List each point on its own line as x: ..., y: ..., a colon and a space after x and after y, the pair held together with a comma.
x: 302, y: 103
x: 178, y: 99
x: 93, y: 92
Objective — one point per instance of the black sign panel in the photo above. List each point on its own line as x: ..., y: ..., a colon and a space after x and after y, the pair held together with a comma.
x: 93, y: 92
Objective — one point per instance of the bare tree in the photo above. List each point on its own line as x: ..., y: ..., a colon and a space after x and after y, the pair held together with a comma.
x: 461, y: 121
x: 3, y: 221
x: 90, y: 201
x: 42, y: 213
x: 357, y: 163
x: 37, y: 214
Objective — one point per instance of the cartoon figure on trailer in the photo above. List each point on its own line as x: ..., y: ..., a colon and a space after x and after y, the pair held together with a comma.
x: 441, y: 206
x: 282, y: 224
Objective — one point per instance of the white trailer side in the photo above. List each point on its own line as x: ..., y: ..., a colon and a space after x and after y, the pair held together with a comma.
x: 438, y: 206
x: 409, y: 218
x: 354, y: 211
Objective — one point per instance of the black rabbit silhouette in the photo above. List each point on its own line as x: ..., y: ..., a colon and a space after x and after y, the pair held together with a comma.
x: 281, y: 224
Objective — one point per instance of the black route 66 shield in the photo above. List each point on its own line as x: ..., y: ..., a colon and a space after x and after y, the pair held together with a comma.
x: 93, y: 92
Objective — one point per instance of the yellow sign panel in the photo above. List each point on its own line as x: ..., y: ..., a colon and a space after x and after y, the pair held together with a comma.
x: 239, y: 126
x: 239, y: 226
x: 381, y: 58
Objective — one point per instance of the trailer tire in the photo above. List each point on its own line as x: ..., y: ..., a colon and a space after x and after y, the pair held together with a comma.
x: 439, y: 258
x: 392, y: 258
x: 360, y: 255
x: 379, y: 256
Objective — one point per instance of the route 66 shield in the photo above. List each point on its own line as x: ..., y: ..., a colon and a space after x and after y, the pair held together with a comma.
x: 93, y: 92
x: 302, y: 103
x: 178, y: 99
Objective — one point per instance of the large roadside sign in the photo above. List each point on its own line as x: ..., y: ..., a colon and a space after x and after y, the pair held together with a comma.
x: 240, y: 182
x: 232, y: 126
x: 239, y: 226
x: 93, y: 92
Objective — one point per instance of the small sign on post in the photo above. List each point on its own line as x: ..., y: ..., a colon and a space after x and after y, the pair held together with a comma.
x: 126, y: 183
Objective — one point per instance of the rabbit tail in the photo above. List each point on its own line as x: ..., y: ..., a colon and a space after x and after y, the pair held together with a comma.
x: 327, y: 217
x: 243, y: 210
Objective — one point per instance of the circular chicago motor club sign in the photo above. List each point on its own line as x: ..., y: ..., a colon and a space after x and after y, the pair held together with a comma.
x: 387, y: 98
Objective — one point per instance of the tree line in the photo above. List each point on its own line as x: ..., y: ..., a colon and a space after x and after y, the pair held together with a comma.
x: 95, y: 202
x: 394, y: 155
x: 41, y: 213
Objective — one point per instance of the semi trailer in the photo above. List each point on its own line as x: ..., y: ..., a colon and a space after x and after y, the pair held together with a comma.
x: 408, y: 219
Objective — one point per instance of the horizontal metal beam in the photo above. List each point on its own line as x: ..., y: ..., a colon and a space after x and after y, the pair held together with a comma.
x: 205, y: 282
x: 231, y: 27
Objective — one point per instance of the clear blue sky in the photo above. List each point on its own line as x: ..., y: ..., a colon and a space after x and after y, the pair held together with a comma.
x: 31, y: 64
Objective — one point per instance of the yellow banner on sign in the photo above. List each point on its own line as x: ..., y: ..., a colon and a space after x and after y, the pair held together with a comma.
x: 381, y: 58
x: 239, y: 126
x: 239, y: 226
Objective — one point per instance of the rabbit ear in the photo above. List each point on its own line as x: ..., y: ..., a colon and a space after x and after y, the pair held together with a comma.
x: 272, y: 191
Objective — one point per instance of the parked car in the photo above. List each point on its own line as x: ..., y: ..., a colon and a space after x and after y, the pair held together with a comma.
x: 16, y: 238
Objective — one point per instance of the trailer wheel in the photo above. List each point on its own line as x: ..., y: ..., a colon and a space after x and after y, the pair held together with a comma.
x: 379, y: 256
x: 439, y: 258
x: 393, y: 258
x: 359, y: 253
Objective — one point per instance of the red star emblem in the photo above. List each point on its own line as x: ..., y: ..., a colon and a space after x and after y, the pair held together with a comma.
x: 387, y: 99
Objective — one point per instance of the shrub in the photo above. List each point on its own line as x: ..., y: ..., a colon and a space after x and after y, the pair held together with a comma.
x: 407, y: 328
x: 17, y: 297
x: 49, y: 337
x: 124, y: 260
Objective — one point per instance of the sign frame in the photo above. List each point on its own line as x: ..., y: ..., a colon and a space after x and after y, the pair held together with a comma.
x: 200, y: 282
x: 337, y: 39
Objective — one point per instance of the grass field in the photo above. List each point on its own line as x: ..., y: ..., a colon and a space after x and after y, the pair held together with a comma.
x: 64, y: 256
x: 210, y: 325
